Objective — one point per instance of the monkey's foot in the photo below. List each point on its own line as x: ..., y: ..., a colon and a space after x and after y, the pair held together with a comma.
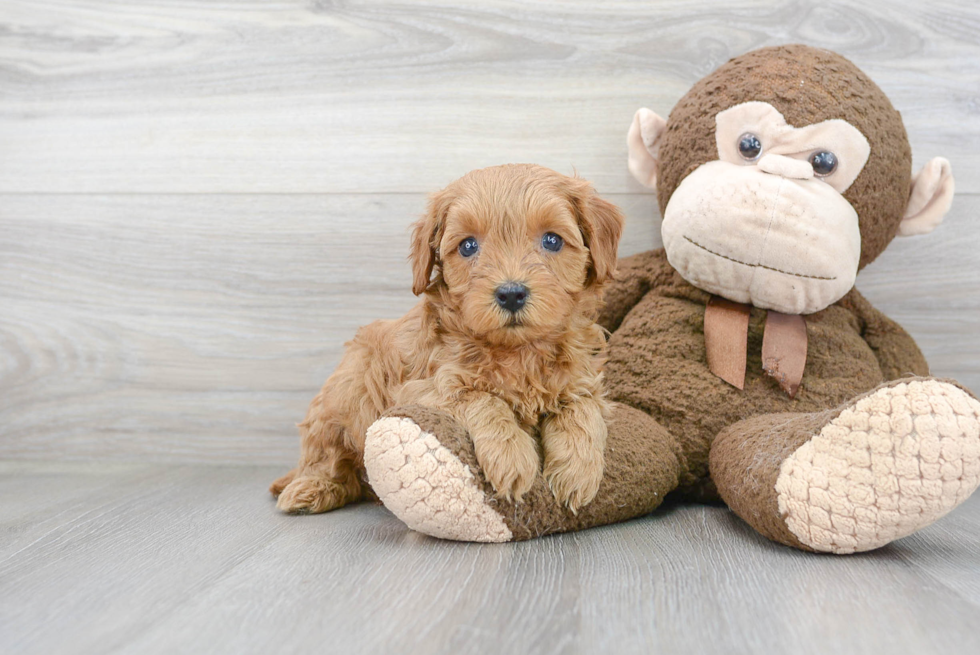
x: 427, y: 485
x: 423, y: 467
x: 856, y: 478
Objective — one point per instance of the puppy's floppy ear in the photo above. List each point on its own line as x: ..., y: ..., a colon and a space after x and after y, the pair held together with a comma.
x: 426, y: 234
x: 602, y: 224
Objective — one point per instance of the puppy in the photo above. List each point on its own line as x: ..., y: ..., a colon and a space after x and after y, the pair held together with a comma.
x: 511, y: 262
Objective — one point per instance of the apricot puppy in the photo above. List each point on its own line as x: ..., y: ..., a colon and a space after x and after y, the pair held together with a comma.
x: 510, y: 261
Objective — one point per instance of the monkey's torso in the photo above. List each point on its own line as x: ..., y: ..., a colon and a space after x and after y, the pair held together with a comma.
x: 657, y: 360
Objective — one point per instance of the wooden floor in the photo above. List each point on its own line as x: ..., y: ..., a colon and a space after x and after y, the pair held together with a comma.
x: 184, y: 559
x: 200, y: 202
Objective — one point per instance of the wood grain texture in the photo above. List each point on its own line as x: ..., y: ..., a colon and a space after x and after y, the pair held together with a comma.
x: 171, y: 559
x: 317, y: 97
x: 200, y: 202
x: 198, y: 327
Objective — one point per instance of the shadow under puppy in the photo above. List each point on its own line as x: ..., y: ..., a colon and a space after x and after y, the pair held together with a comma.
x: 511, y: 261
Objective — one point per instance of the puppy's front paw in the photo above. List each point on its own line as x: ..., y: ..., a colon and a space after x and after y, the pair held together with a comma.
x: 510, y: 461
x: 574, y: 474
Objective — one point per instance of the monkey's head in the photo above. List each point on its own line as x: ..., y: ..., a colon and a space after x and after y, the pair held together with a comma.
x: 781, y: 175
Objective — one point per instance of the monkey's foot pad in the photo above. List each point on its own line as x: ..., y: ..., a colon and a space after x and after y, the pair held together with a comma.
x: 892, y: 463
x: 426, y: 486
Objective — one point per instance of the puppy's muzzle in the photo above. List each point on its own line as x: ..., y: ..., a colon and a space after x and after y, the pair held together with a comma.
x: 511, y: 296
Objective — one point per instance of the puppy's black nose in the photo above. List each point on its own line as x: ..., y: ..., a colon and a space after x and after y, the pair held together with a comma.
x: 511, y: 296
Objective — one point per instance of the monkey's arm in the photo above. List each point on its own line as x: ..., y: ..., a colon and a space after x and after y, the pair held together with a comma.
x: 896, y: 351
x: 635, y: 276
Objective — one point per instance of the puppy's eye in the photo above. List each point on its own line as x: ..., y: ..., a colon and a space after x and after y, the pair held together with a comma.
x: 749, y: 146
x: 824, y: 163
x: 551, y: 241
x: 469, y: 247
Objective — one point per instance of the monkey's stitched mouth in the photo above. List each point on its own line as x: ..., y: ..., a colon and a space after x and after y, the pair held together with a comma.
x: 768, y: 268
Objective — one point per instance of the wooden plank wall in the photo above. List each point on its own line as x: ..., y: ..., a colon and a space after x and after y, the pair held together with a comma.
x: 200, y: 202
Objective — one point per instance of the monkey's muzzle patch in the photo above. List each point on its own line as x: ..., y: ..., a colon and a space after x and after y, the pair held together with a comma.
x: 791, y: 245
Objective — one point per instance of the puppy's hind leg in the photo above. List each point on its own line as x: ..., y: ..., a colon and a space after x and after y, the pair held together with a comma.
x: 327, y: 475
x: 332, y: 435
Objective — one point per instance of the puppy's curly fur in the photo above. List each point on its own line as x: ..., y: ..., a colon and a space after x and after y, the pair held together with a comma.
x: 521, y: 382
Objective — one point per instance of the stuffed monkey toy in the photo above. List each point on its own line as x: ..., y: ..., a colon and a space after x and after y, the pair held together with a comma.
x: 743, y: 363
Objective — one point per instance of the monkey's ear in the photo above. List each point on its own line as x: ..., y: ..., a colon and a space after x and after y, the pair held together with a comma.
x: 643, y: 140
x: 930, y: 198
x: 426, y: 235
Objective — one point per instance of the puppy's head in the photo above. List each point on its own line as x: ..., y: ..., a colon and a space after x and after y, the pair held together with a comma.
x: 512, y: 253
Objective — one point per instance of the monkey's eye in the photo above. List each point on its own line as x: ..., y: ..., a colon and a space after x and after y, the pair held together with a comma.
x: 824, y: 163
x: 468, y: 247
x: 551, y: 241
x: 749, y: 146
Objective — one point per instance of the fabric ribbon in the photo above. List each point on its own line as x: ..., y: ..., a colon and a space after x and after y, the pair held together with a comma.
x: 784, y: 344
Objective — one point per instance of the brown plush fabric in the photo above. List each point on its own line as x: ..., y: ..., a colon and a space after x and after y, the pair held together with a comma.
x: 745, y: 461
x: 657, y: 360
x: 894, y: 349
x: 807, y: 85
x: 642, y: 466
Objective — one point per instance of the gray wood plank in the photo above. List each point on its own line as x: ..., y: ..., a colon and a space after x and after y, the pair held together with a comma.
x: 190, y: 327
x: 198, y: 327
x: 369, y: 96
x: 196, y: 559
x: 118, y: 557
